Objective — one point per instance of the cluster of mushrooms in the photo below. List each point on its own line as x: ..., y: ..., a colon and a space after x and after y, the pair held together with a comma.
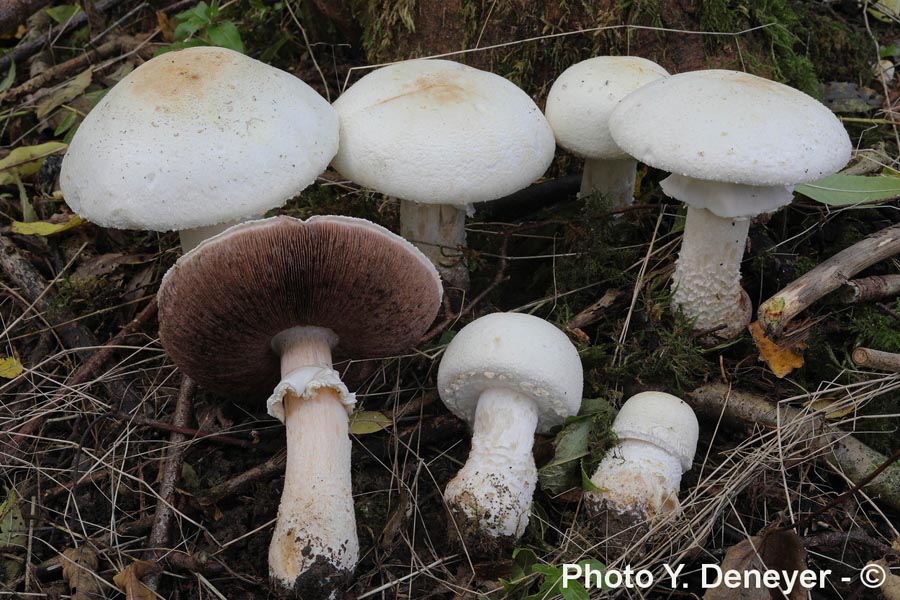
x: 205, y: 141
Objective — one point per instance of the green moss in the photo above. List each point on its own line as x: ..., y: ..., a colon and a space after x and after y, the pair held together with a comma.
x: 381, y: 22
x: 83, y: 296
x: 875, y: 329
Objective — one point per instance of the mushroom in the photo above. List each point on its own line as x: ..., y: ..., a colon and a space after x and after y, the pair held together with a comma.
x: 196, y: 140
x: 640, y: 476
x: 578, y: 108
x: 439, y: 136
x: 508, y: 375
x: 735, y: 145
x: 273, y: 299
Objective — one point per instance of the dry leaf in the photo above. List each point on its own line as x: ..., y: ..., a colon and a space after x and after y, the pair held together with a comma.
x: 129, y: 580
x: 26, y: 161
x: 778, y: 550
x: 780, y: 360
x: 825, y: 404
x: 78, y: 566
x: 65, y: 93
x: 46, y: 228
x: 890, y: 589
x: 10, y: 368
x: 368, y: 421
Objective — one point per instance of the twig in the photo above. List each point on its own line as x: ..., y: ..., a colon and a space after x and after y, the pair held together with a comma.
x: 877, y: 359
x: 776, y: 312
x: 188, y: 431
x: 23, y: 51
x: 171, y: 473
x: 870, y: 288
x: 272, y: 466
x: 857, y: 460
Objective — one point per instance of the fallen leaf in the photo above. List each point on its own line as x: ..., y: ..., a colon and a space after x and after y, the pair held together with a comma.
x: 849, y: 190
x: 824, y: 405
x: 26, y: 161
x: 65, y: 93
x: 777, y: 550
x: 368, y: 421
x: 890, y: 589
x: 851, y: 98
x: 885, y: 10
x: 104, y: 264
x: 780, y: 360
x: 10, y: 368
x: 12, y: 532
x: 46, y: 228
x: 129, y: 580
x: 78, y: 566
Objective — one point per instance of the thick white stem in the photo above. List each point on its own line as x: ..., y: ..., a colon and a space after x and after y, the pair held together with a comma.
x: 707, y: 277
x: 314, y: 548
x: 638, y: 479
x: 613, y: 179
x: 191, y: 238
x: 494, y: 488
x: 439, y: 231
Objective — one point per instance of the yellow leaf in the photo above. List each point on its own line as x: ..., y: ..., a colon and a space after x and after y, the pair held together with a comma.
x: 780, y: 360
x: 66, y: 93
x: 26, y: 161
x: 129, y: 580
x: 10, y: 368
x: 824, y: 404
x: 46, y: 228
x: 78, y: 567
x: 368, y: 421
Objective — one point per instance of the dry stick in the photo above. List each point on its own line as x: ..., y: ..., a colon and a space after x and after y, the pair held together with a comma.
x: 857, y: 460
x: 870, y: 288
x: 272, y: 466
x: 171, y: 473
x: 25, y: 50
x: 877, y: 359
x: 777, y: 311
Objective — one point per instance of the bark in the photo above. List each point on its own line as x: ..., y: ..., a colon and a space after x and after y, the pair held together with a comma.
x: 870, y: 288
x: 877, y: 359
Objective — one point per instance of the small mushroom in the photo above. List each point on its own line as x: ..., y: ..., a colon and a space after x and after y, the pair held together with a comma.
x: 271, y: 300
x: 578, y: 108
x: 196, y: 140
x: 640, y: 476
x: 440, y: 136
x: 735, y: 145
x: 508, y: 375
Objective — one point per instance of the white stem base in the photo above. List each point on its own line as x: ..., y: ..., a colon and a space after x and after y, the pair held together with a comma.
x: 493, y: 490
x: 637, y: 479
x: 314, y: 548
x: 439, y: 231
x: 707, y: 279
x: 612, y: 179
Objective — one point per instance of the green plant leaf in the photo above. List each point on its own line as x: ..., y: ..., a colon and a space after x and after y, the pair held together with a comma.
x: 10, y: 368
x: 847, y: 190
x: 66, y: 93
x: 26, y: 161
x: 65, y: 124
x: 10, y: 77
x: 365, y: 422
x: 63, y: 13
x: 12, y: 532
x: 46, y: 228
x: 226, y: 35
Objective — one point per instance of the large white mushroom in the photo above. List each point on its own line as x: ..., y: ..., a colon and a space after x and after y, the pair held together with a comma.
x: 508, y: 375
x: 197, y: 140
x: 736, y: 145
x: 640, y: 476
x: 440, y: 136
x: 578, y: 108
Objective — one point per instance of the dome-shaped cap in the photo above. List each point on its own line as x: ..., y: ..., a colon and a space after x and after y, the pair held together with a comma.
x: 584, y: 95
x: 439, y: 132
x: 732, y: 127
x: 197, y: 137
x: 223, y: 302
x: 517, y: 352
x: 662, y: 420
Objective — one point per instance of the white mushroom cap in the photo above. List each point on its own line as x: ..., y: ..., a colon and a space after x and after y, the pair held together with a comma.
x: 515, y: 351
x: 439, y: 132
x: 662, y: 420
x: 194, y: 138
x: 731, y: 127
x: 583, y: 97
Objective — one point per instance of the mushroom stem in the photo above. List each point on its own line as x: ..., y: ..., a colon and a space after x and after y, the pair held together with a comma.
x: 707, y: 279
x: 612, y: 179
x: 191, y: 238
x: 314, y: 548
x: 492, y: 492
x: 439, y: 231
x: 637, y: 478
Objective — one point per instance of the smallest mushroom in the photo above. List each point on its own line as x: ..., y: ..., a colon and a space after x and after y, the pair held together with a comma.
x: 639, y: 477
x: 507, y: 374
x: 578, y: 109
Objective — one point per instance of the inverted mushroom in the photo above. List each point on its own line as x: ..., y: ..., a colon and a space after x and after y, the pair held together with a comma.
x: 640, y: 476
x: 440, y: 136
x: 271, y: 300
x: 736, y: 145
x: 508, y: 375
x: 196, y: 140
x: 578, y: 109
